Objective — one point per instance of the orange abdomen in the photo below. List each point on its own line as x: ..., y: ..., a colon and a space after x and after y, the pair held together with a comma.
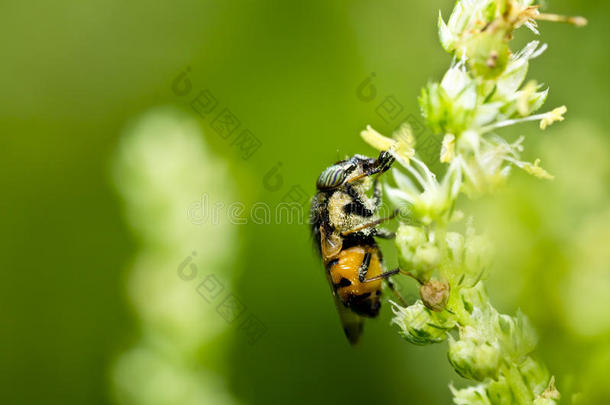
x: 361, y: 297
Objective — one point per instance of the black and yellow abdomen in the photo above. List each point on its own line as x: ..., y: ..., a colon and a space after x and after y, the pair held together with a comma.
x: 346, y: 274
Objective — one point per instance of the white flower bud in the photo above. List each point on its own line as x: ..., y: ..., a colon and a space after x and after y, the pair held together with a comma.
x: 455, y: 245
x: 517, y: 334
x: 475, y: 395
x: 427, y: 257
x: 478, y: 253
x: 416, y: 254
x: 499, y: 392
x: 474, y: 357
x: 419, y: 325
x: 534, y: 375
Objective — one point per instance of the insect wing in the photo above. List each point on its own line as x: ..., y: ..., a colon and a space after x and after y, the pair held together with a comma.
x: 352, y: 323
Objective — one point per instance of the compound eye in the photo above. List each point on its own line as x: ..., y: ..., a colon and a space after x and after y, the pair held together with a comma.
x: 333, y: 176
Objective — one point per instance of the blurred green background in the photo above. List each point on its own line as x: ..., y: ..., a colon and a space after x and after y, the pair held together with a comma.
x: 76, y: 76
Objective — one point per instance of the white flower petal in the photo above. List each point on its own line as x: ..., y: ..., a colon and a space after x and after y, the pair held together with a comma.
x: 455, y: 80
x: 444, y: 33
x: 403, y: 181
x: 398, y: 197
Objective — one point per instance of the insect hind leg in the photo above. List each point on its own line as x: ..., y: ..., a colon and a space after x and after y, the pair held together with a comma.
x: 396, y: 293
x: 386, y: 276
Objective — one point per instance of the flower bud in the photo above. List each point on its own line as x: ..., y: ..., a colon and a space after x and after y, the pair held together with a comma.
x: 488, y: 53
x: 516, y: 333
x: 476, y: 395
x: 477, y: 258
x: 427, y: 257
x: 544, y: 401
x: 499, y: 392
x: 419, y: 325
x: 435, y: 294
x: 475, y: 297
x: 416, y: 254
x: 534, y: 375
x: 473, y: 356
x: 445, y: 114
x: 455, y: 246
x: 411, y: 236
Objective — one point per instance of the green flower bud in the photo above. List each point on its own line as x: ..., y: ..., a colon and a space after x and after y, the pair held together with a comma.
x: 487, y: 53
x: 473, y: 356
x: 475, y: 297
x: 420, y: 325
x: 499, y: 393
x: 442, y: 113
x: 476, y: 395
x: 477, y: 259
x: 517, y: 334
x: 427, y: 257
x: 544, y: 401
x: 534, y: 375
x: 455, y: 246
x: 416, y: 254
x: 411, y: 236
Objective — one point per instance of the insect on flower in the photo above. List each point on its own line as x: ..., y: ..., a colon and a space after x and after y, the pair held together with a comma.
x: 344, y: 223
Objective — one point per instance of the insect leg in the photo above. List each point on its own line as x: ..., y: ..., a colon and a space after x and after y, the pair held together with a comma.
x: 385, y: 234
x: 370, y: 224
x: 364, y: 267
x: 376, y: 192
x: 386, y: 277
x: 382, y: 275
x: 382, y: 164
x: 396, y: 293
x: 409, y: 274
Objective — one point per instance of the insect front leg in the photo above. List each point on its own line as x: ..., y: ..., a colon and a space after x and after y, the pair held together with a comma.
x: 384, y: 162
x: 377, y: 192
x: 370, y: 225
x: 385, y: 234
x: 381, y: 165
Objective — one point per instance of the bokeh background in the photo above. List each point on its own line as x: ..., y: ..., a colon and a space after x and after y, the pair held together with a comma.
x: 104, y: 162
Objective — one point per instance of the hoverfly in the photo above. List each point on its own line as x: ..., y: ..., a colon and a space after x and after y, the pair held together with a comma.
x: 344, y: 224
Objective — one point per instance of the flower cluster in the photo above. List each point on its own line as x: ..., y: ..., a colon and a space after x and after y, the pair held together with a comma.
x: 483, y: 91
x: 161, y: 164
